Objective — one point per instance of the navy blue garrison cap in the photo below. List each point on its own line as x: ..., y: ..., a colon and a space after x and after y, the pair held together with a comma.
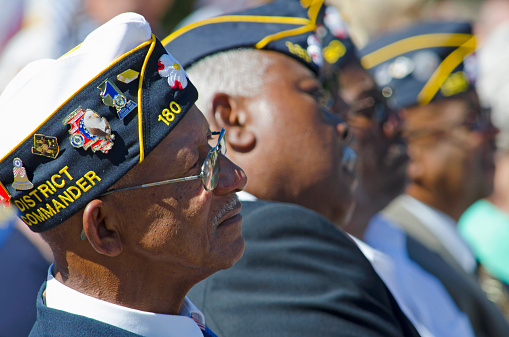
x: 283, y: 26
x: 426, y: 62
x: 74, y: 126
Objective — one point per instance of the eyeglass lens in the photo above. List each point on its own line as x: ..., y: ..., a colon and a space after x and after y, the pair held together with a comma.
x: 210, y: 169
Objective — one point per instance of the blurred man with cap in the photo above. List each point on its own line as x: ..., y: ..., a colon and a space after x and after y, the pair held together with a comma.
x: 381, y: 154
x: 428, y: 72
x: 300, y: 275
x: 111, y: 163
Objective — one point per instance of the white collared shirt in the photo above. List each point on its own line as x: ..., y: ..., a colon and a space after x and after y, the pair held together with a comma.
x: 421, y: 296
x: 61, y: 297
x: 244, y: 196
x: 445, y: 229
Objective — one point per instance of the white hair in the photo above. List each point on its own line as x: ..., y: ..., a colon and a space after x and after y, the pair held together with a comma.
x: 239, y: 72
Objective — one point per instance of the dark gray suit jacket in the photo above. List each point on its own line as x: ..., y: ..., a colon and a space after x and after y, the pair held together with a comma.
x: 57, y: 323
x: 486, y: 319
x: 299, y: 276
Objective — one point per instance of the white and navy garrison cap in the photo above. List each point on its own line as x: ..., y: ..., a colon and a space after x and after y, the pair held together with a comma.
x: 423, y: 63
x: 72, y: 127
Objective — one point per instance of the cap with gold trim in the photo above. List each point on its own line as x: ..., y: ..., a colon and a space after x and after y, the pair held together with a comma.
x: 283, y: 26
x: 72, y: 127
x: 426, y: 62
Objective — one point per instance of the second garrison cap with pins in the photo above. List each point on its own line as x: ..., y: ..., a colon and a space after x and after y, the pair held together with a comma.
x: 283, y: 26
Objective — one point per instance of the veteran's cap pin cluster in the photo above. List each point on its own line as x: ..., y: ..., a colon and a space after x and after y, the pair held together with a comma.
x: 74, y: 126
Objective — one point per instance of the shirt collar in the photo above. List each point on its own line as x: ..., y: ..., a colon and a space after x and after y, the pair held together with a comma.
x: 445, y: 229
x: 244, y: 196
x: 61, y: 297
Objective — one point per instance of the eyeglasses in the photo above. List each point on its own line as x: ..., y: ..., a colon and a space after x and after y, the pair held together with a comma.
x: 209, y: 171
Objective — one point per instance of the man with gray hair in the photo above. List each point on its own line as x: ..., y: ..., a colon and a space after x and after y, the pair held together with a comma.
x: 300, y: 275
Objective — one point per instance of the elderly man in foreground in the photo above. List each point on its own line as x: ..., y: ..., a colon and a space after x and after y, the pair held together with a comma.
x: 111, y: 163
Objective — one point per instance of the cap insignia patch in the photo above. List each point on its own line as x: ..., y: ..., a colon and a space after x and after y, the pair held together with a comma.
x: 315, y: 49
x: 89, y: 130
x: 45, y: 146
x: 112, y: 96
x: 169, y: 67
x: 5, y: 197
x: 21, y: 182
x: 128, y: 76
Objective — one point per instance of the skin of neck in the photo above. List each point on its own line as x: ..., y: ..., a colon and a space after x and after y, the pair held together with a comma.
x: 453, y: 207
x: 365, y: 209
x: 126, y: 280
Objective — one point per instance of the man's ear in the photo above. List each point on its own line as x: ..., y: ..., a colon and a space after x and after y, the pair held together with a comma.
x: 100, y: 227
x: 231, y: 114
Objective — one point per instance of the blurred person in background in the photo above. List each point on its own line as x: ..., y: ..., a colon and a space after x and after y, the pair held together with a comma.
x: 381, y: 163
x: 24, y: 261
x: 11, y: 18
x: 204, y: 9
x: 369, y: 19
x: 450, y: 143
x: 50, y: 28
x: 485, y: 224
x: 20, y: 249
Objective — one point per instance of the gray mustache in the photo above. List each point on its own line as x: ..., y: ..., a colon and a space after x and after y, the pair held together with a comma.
x: 229, y: 206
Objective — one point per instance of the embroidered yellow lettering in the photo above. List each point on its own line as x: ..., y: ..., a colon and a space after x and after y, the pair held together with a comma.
x: 58, y: 185
x: 91, y: 176
x: 83, y: 184
x: 65, y: 198
x: 41, y: 214
x: 168, y: 116
x: 20, y: 205
x: 74, y: 192
x: 64, y: 170
x: 51, y: 186
x: 49, y: 212
x: 61, y: 200
x: 25, y: 220
x: 57, y: 205
x: 32, y: 219
x: 34, y: 193
x: 44, y: 189
x: 39, y: 217
x: 29, y: 202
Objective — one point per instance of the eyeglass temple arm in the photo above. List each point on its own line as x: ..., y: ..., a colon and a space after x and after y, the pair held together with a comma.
x: 154, y: 184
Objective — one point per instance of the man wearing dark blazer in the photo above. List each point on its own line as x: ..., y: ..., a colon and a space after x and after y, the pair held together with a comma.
x: 300, y: 275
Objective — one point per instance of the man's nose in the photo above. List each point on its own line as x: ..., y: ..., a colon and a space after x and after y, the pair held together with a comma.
x: 231, y: 177
x: 340, y: 124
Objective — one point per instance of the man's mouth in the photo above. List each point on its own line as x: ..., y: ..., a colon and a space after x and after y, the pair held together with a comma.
x: 229, y: 210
